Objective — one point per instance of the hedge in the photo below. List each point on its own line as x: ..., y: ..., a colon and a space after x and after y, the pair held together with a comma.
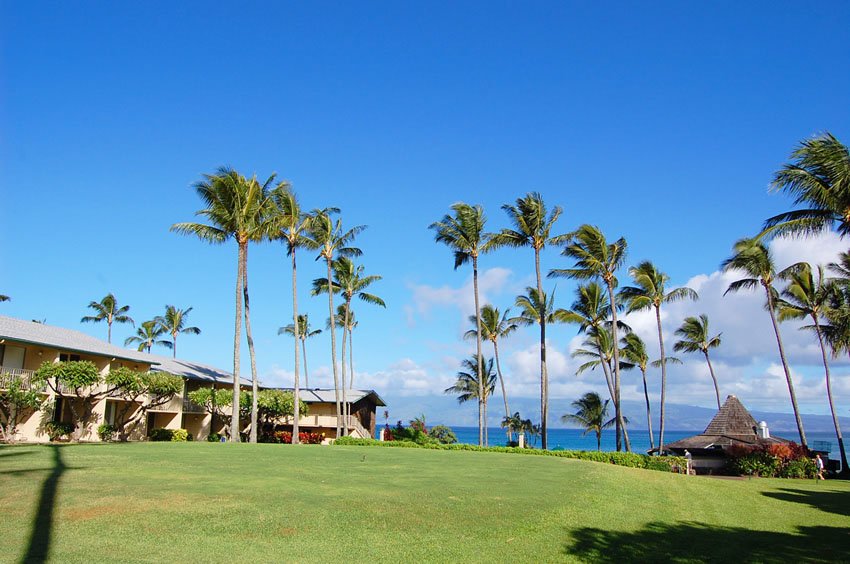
x: 628, y: 459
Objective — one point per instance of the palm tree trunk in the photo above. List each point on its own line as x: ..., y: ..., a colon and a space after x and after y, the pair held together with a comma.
x: 174, y: 345
x: 502, y: 382
x: 544, y: 374
x: 620, y: 427
x: 345, y: 406
x: 333, y: 350
x: 607, y: 370
x: 770, y: 308
x: 237, y: 342
x: 304, y: 350
x: 663, y: 379
x: 351, y: 365
x: 296, y: 392
x: 109, y: 332
x: 713, y: 378
x: 838, y: 435
x: 648, y: 411
x: 255, y: 388
x: 481, y: 439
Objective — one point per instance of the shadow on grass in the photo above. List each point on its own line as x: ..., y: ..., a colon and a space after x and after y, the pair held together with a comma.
x: 42, y: 525
x: 827, y: 500
x: 697, y: 542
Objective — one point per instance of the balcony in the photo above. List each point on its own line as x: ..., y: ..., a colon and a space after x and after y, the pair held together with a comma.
x: 26, y: 378
x: 191, y: 407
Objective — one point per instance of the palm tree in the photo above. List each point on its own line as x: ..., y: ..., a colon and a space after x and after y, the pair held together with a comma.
x: 107, y: 310
x: 291, y: 225
x: 532, y: 226
x: 591, y: 413
x: 753, y: 258
x: 634, y: 351
x: 695, y: 337
x: 597, y: 259
x: 303, y: 333
x: 818, y: 177
x: 807, y: 297
x: 238, y: 208
x: 469, y: 386
x: 464, y: 234
x: 5, y: 298
x: 350, y: 282
x: 494, y: 326
x: 148, y: 335
x: 516, y: 424
x: 173, y: 323
x: 332, y: 241
x: 648, y: 292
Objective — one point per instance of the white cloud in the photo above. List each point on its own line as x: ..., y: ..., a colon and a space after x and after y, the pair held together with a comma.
x: 490, y: 281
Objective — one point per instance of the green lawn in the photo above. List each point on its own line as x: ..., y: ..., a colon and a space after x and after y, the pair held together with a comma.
x: 201, y: 502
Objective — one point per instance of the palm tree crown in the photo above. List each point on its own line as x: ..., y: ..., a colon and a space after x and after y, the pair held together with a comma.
x: 174, y: 323
x: 591, y: 413
x: 107, y: 310
x: 468, y: 385
x: 148, y: 335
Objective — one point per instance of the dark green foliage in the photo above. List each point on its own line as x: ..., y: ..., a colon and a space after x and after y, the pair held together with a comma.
x: 18, y: 398
x: 442, y: 434
x: 172, y: 435
x: 106, y: 431
x: 776, y: 460
x: 56, y: 431
x: 74, y: 375
x: 213, y: 438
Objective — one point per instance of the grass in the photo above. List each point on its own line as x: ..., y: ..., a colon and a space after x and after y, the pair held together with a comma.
x: 157, y: 502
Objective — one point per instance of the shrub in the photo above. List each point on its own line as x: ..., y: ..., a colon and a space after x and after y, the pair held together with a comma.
x: 106, y: 431
x: 213, y: 438
x: 799, y: 468
x: 443, y: 434
x: 179, y: 436
x: 787, y: 460
x: 161, y: 435
x: 56, y: 430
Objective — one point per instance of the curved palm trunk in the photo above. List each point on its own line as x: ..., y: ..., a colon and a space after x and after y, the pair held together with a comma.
x: 713, y: 378
x: 663, y: 379
x: 237, y: 342
x: 544, y: 373
x: 304, y: 350
x: 333, y: 351
x: 838, y: 435
x: 502, y: 382
x: 607, y: 370
x: 620, y: 426
x: 770, y: 308
x: 648, y: 411
x: 345, y: 406
x: 296, y: 393
x: 254, y: 383
x: 481, y: 437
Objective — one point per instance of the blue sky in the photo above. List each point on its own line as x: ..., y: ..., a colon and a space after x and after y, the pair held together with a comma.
x: 662, y: 123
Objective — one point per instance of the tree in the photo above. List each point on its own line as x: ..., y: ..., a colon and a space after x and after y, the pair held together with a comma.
x: 753, y: 259
x: 634, y: 351
x: 21, y: 396
x: 817, y: 177
x: 471, y: 385
x: 532, y: 227
x: 302, y: 333
x: 80, y: 378
x: 5, y: 298
x: 591, y: 413
x: 174, y: 323
x: 494, y: 326
x: 107, y: 310
x: 516, y: 424
x: 333, y: 241
x: 807, y: 297
x: 595, y: 258
x: 148, y: 335
x: 695, y: 337
x: 276, y: 404
x: 236, y: 208
x: 140, y: 392
x: 650, y: 292
x: 464, y: 234
x: 213, y: 401
x: 291, y: 225
x: 350, y: 282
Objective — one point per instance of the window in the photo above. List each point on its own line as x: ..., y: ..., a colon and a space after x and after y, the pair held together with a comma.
x: 109, y: 415
x: 66, y: 357
x: 11, y: 356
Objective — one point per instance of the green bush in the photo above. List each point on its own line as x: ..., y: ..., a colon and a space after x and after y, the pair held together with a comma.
x: 163, y: 435
x: 56, y: 430
x: 213, y: 438
x: 106, y: 431
x: 628, y: 459
x: 443, y: 434
x: 800, y: 468
x: 179, y: 436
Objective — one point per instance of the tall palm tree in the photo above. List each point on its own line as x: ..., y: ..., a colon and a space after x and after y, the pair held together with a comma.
x: 648, y: 292
x: 494, y: 326
x: 174, y: 323
x: 5, y: 298
x: 148, y: 335
x: 303, y: 332
x: 291, y: 225
x: 591, y: 413
x: 350, y: 282
x: 239, y: 208
x: 332, y: 241
x: 532, y: 227
x: 695, y: 337
x: 753, y: 258
x: 470, y: 385
x: 807, y: 297
x: 463, y: 232
x: 634, y: 351
x: 817, y: 177
x: 107, y: 310
x: 595, y: 258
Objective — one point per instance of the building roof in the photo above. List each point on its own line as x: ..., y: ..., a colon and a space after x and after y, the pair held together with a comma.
x: 319, y: 395
x: 34, y: 333
x: 732, y: 425
x: 194, y: 370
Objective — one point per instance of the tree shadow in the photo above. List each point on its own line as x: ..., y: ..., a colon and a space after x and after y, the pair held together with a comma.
x: 42, y: 526
x: 698, y: 542
x: 828, y: 500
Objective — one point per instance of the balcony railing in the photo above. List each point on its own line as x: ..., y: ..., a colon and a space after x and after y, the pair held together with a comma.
x: 24, y: 376
x: 191, y: 407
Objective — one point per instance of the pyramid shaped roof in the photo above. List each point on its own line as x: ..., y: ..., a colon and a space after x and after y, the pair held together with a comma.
x: 732, y: 419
